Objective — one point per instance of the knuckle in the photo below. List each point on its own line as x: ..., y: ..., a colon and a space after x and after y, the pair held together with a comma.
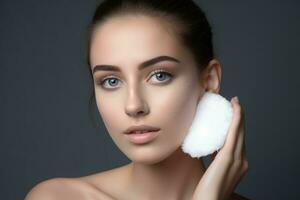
x: 241, y: 162
x: 238, y: 163
x: 245, y: 165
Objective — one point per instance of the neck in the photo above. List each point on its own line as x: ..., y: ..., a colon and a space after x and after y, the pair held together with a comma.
x: 175, y: 177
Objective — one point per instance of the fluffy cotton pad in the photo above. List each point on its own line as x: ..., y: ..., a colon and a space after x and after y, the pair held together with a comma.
x: 210, y: 126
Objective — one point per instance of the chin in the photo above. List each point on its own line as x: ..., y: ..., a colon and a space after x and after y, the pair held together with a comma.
x: 148, y: 155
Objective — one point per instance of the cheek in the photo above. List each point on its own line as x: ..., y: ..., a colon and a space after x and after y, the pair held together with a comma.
x: 175, y: 109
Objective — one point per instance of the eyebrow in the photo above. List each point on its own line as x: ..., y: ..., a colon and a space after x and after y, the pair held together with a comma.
x: 141, y: 66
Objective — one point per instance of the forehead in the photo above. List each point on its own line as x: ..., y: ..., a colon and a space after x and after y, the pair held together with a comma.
x: 133, y: 39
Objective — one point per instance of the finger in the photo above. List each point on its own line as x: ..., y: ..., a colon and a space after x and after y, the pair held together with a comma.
x: 237, y: 171
x: 244, y: 146
x: 244, y: 141
x: 231, y: 183
x: 231, y: 138
x: 234, y: 172
x: 240, y: 147
x: 238, y: 151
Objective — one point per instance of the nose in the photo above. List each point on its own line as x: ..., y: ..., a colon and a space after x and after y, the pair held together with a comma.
x: 136, y: 105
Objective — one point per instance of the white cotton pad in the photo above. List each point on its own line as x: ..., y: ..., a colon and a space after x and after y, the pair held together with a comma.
x: 210, y: 126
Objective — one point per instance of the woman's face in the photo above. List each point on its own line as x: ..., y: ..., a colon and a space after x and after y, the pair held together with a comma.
x: 133, y: 96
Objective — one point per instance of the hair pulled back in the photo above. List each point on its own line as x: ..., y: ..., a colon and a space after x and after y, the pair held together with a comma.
x: 186, y: 20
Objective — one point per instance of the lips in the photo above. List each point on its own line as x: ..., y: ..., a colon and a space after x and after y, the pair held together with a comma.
x: 140, y: 129
x: 142, y: 137
x: 139, y: 132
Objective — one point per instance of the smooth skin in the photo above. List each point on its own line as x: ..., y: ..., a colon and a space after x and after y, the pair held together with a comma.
x: 159, y: 169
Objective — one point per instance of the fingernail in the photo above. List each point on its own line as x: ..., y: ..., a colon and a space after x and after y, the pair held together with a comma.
x: 236, y: 99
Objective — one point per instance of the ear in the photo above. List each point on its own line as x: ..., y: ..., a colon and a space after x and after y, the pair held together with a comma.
x: 212, y: 76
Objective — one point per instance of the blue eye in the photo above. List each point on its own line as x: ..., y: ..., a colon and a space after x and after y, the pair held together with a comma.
x: 111, y: 81
x: 161, y: 74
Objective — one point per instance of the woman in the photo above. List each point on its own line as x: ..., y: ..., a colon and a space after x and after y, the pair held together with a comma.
x: 151, y: 62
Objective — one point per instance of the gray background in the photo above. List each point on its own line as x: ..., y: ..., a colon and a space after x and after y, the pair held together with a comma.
x: 45, y: 127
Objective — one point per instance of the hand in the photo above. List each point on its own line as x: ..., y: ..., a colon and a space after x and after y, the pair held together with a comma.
x: 229, y: 165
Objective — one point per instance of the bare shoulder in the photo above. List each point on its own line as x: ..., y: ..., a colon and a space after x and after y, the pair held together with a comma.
x: 65, y: 188
x: 106, y: 181
x: 236, y: 196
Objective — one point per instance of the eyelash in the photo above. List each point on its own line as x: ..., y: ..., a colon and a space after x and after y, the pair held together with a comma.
x: 157, y: 71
